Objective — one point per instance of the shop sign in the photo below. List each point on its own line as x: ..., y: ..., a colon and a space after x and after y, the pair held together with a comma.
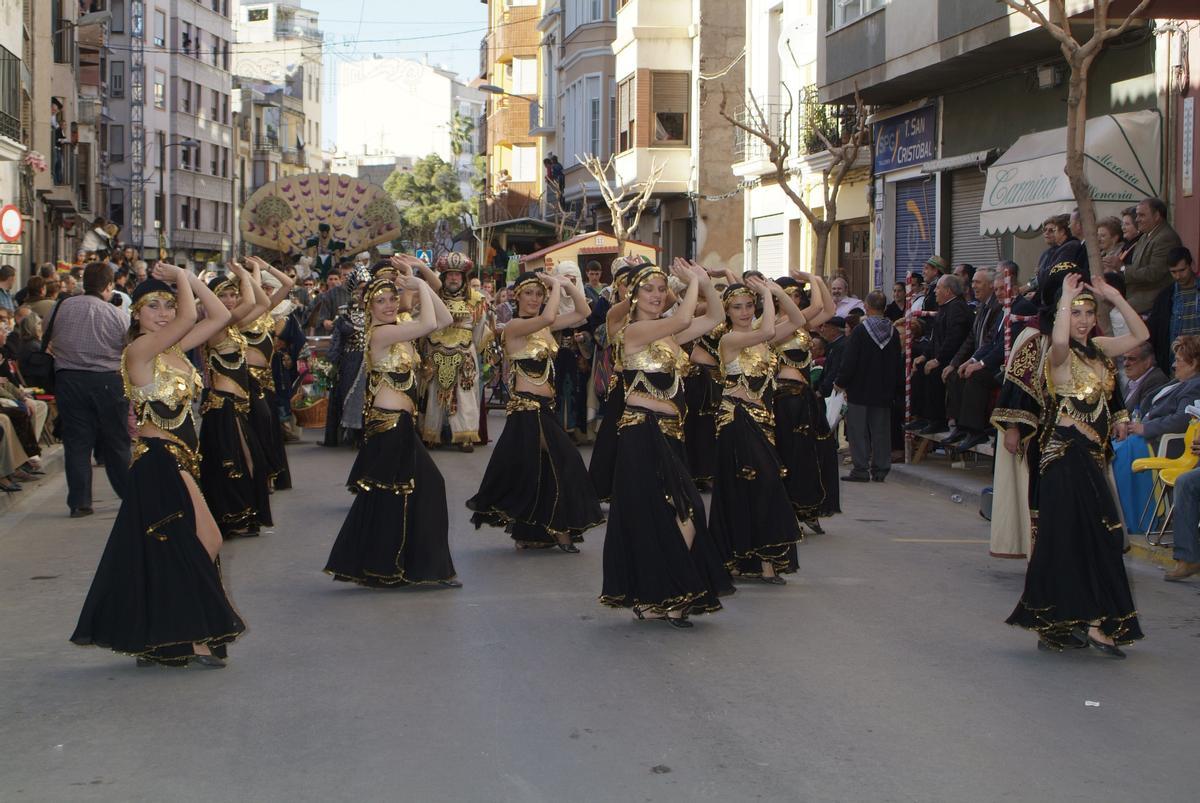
x: 11, y: 249
x: 907, y: 140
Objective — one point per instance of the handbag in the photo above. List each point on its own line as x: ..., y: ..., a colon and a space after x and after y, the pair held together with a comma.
x: 38, y: 366
x: 835, y: 408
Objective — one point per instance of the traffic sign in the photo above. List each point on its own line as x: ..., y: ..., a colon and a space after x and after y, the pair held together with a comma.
x: 425, y: 255
x: 11, y: 224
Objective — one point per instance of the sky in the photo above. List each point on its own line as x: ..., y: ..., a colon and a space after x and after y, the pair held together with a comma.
x: 447, y: 30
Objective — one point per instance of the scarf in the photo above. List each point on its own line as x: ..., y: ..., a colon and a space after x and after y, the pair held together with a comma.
x: 879, y: 328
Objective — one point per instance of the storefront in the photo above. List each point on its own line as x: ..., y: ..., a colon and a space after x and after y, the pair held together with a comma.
x: 910, y: 204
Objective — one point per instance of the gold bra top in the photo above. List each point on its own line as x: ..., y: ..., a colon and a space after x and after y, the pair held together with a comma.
x: 1086, y: 396
x: 261, y: 335
x: 656, y: 370
x: 166, y: 402
x: 535, y: 360
x: 397, y: 369
x: 752, y: 369
x: 796, y: 351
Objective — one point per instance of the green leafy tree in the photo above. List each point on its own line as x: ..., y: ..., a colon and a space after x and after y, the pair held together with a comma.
x: 427, y: 194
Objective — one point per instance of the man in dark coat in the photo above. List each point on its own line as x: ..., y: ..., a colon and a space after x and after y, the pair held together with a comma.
x: 950, y: 329
x: 834, y: 332
x: 1149, y: 273
x: 971, y: 376
x: 871, y: 373
x: 1176, y: 310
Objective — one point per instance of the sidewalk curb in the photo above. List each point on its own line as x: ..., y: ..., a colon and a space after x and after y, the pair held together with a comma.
x: 1158, y: 555
x: 52, y: 464
x: 945, y: 488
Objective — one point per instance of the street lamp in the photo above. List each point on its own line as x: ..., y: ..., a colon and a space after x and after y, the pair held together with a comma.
x: 160, y: 223
x: 92, y: 18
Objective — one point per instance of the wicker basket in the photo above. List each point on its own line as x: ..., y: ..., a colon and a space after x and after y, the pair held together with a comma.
x: 313, y: 416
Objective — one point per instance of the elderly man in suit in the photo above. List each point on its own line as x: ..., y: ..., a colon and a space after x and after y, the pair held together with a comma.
x: 1145, y: 379
x: 951, y: 327
x: 971, y: 376
x: 1149, y: 273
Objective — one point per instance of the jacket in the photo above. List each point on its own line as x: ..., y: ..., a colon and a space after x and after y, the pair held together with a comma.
x: 984, y: 329
x: 1161, y: 313
x: 870, y: 375
x: 1149, y: 272
x: 1168, y: 413
x: 1151, y: 384
x: 833, y: 362
x: 950, y: 329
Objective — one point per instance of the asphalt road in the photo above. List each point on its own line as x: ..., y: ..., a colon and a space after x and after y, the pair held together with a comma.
x: 883, y: 671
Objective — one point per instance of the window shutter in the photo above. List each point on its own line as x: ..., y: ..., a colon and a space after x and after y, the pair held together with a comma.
x: 670, y: 92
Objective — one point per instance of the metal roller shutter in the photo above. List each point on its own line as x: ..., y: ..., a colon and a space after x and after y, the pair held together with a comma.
x: 916, y: 224
x: 768, y: 255
x: 966, y: 199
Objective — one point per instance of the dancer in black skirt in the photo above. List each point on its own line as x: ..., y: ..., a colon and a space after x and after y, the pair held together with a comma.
x: 1076, y: 575
x: 260, y: 341
x: 751, y: 517
x: 396, y: 532
x: 802, y: 434
x: 604, y: 450
x: 233, y: 468
x: 157, y: 593
x: 702, y: 394
x: 536, y: 485
x: 658, y: 556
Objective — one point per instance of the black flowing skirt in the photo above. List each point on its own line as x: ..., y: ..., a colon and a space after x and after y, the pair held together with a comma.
x: 397, y: 530
x: 535, y: 485
x: 702, y: 395
x: 751, y: 517
x: 238, y: 496
x: 646, y: 561
x: 156, y: 591
x: 796, y: 439
x: 604, y: 450
x: 264, y: 421
x: 827, y: 460
x: 1076, y: 573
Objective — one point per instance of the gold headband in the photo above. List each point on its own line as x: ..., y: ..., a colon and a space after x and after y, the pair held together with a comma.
x: 735, y: 292
x: 157, y: 295
x: 1084, y: 299
x: 379, y: 285
x: 228, y: 284
x: 531, y: 280
x: 644, y: 275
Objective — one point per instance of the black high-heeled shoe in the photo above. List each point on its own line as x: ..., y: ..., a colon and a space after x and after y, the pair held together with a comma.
x: 207, y: 661
x: 569, y: 548
x: 774, y: 580
x: 680, y: 622
x: 1111, y: 650
x: 450, y: 583
x: 815, y: 526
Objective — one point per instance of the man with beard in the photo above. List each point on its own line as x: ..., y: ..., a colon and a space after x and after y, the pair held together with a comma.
x: 453, y: 357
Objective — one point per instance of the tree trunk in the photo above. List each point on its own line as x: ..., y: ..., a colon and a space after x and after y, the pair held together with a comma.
x: 1074, y: 168
x: 821, y: 230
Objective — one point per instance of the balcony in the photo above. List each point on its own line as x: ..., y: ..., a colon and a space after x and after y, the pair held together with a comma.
x: 541, y: 120
x: 286, y: 30
x: 267, y: 143
x: 634, y: 166
x: 509, y: 121
x: 801, y: 124
x: 89, y: 110
x: 10, y: 126
x: 293, y: 156
x: 516, y: 34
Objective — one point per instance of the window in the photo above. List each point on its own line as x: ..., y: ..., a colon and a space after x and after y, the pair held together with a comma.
x: 216, y: 216
x: 515, y: 3
x: 670, y: 105
x: 116, y: 143
x: 612, y: 116
x: 847, y: 11
x: 524, y: 163
x: 160, y: 29
x: 216, y: 106
x: 185, y: 213
x: 524, y: 76
x: 185, y: 97
x: 582, y: 121
x: 215, y: 163
x: 626, y: 97
x: 185, y: 37
x: 116, y: 205
x: 185, y: 158
x: 160, y: 89
x: 118, y: 19
x: 583, y: 12
x: 116, y: 79
x: 216, y: 52
x: 225, y: 109
x: 158, y: 209
x: 224, y: 162
x: 196, y: 213
x: 257, y: 14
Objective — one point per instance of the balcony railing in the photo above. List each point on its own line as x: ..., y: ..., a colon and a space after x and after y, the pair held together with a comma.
x: 267, y: 143
x: 293, y: 156
x: 801, y: 124
x: 10, y: 126
x: 285, y: 31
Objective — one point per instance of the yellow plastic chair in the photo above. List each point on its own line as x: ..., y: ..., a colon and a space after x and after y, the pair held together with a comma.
x: 1167, y: 471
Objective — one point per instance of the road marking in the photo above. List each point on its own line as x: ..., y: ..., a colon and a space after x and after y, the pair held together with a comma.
x: 942, y: 540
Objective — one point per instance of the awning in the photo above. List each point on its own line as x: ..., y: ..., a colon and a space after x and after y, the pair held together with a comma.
x: 1123, y: 163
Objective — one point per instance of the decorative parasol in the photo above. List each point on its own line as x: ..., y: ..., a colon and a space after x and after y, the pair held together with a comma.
x: 284, y: 214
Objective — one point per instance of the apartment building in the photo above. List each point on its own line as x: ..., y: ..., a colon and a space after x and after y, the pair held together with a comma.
x: 576, y: 111
x: 968, y: 101
x: 281, y: 44
x: 510, y: 64
x: 673, y: 61
x: 170, y: 145
x: 780, y: 69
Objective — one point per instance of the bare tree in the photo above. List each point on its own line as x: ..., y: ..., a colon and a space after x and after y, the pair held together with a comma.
x: 568, y: 221
x: 622, y: 201
x: 1080, y: 57
x: 778, y: 145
